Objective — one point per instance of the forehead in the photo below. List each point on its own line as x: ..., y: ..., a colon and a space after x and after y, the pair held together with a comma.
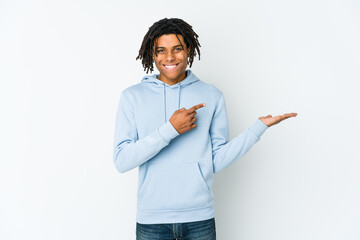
x: 169, y: 40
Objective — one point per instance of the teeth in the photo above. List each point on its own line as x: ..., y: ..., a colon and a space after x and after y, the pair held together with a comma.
x: 170, y: 66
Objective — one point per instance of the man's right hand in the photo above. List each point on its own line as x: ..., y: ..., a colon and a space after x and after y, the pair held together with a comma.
x: 184, y: 120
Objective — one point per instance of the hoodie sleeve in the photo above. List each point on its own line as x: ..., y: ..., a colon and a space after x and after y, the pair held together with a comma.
x: 129, y: 151
x: 225, y: 152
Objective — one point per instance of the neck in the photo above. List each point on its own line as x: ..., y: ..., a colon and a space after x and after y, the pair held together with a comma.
x: 172, y: 82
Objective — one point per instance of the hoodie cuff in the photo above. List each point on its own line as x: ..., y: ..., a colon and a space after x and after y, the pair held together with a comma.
x: 168, y: 132
x: 258, y: 128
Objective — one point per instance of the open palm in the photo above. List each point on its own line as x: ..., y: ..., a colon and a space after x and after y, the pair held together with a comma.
x: 270, y: 120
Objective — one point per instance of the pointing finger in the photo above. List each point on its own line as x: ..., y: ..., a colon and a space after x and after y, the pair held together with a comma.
x: 196, y: 107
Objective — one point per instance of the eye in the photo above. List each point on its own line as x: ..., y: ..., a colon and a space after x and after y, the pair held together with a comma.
x: 178, y: 49
x: 160, y: 50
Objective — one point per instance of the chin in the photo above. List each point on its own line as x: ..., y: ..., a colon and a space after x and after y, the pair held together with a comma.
x: 171, y: 75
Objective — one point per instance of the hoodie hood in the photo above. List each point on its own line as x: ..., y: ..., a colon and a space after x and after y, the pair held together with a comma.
x: 154, y: 81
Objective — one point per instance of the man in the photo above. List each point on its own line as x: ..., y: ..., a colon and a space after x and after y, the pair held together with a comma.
x: 175, y: 128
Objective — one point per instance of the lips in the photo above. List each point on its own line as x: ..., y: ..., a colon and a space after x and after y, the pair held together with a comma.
x: 171, y: 66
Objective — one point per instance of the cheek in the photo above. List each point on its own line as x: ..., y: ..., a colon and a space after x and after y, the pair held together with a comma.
x: 156, y: 61
x: 184, y: 57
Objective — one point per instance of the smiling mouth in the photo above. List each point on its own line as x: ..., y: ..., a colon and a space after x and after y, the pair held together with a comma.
x: 171, y: 67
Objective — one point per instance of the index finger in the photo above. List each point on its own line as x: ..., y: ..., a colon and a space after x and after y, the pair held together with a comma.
x: 196, y: 107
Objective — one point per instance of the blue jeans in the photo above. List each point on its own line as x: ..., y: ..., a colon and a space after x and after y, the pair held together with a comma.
x: 201, y: 230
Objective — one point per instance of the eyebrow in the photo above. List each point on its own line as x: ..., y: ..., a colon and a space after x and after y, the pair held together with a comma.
x: 179, y: 45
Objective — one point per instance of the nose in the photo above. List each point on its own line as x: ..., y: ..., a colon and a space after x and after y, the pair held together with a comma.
x: 170, y: 56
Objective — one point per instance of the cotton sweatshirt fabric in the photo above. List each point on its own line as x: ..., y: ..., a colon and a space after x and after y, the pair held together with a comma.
x: 176, y: 170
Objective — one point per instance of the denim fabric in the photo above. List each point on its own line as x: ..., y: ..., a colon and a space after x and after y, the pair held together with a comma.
x: 201, y: 230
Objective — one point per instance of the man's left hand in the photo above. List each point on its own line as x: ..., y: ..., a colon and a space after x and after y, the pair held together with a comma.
x: 270, y: 120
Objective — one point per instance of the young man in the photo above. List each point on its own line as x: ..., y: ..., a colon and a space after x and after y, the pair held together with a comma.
x: 175, y: 128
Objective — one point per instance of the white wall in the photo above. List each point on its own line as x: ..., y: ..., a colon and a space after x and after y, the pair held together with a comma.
x: 63, y: 65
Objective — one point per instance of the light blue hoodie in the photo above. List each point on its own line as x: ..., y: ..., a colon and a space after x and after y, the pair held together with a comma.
x: 176, y: 171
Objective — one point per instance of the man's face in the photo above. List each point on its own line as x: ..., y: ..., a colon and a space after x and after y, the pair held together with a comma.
x: 171, y: 59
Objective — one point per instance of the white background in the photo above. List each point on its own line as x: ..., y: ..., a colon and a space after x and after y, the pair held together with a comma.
x: 63, y: 65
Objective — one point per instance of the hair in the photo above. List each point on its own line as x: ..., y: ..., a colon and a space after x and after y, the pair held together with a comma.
x: 168, y: 26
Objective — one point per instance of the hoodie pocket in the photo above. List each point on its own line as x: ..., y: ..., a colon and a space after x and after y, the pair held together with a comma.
x: 174, y: 186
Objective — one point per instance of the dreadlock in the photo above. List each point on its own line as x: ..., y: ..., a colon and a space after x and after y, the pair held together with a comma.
x: 167, y: 26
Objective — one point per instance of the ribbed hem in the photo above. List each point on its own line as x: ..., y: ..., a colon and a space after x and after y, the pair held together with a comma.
x: 168, y: 132
x: 180, y: 216
x: 258, y: 128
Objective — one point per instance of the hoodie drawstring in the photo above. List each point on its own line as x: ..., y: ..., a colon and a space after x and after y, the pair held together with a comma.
x: 164, y: 103
x: 164, y: 94
x: 179, y: 96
